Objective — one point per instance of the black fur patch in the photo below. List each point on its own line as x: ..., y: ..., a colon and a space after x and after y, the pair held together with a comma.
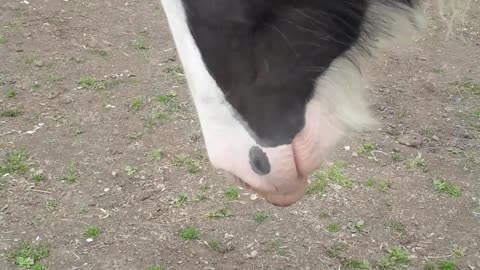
x: 266, y: 55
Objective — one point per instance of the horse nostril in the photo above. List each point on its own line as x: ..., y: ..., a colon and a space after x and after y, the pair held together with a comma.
x: 259, y: 161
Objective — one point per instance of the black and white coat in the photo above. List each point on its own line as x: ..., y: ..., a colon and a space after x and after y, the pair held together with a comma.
x: 277, y: 83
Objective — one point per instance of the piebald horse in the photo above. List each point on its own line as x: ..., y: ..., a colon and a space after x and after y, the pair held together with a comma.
x: 277, y: 83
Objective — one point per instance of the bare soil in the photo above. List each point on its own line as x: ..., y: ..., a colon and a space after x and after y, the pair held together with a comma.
x: 92, y: 86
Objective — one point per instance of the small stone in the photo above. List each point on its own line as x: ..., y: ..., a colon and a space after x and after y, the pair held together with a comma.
x: 38, y: 63
x: 448, y: 109
x: 253, y: 197
x: 412, y: 140
x: 114, y: 173
x: 89, y: 240
x: 346, y: 147
x: 106, y: 190
x: 435, y: 138
x: 355, y: 154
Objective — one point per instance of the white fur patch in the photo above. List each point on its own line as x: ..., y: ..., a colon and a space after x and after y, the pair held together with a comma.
x: 215, y: 114
x: 342, y: 88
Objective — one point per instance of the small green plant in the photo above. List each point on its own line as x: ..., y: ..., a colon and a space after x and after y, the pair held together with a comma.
x: 429, y: 266
x: 384, y: 186
x: 443, y: 186
x: 395, y: 226
x: 155, y: 267
x: 417, y: 163
x: 334, y: 227
x: 154, y: 155
x: 469, y: 86
x: 333, y: 173
x: 36, y: 85
x: 13, y: 112
x: 3, y: 39
x: 355, y: 264
x: 215, y: 245
x: 371, y: 183
x: 261, y: 216
x: 88, y: 82
x: 136, y: 104
x: 396, y: 157
x: 232, y: 193
x: 318, y: 185
x: 93, y: 231
x: 446, y: 265
x: 91, y: 83
x: 223, y: 213
x: 181, y: 200
x: 38, y: 177
x: 139, y: 44
x: 438, y: 70
x: 10, y: 93
x: 366, y: 148
x: 27, y: 255
x: 52, y: 204
x: 166, y: 99
x: 154, y: 117
x: 190, y: 233
x: 356, y: 225
x: 188, y: 163
x: 15, y: 162
x: 175, y: 70
x: 70, y: 174
x: 336, y: 175
x: 278, y: 248
x: 131, y: 170
x: 476, y: 113
x: 396, y: 256
x: 54, y: 78
x: 39, y: 266
x: 458, y: 251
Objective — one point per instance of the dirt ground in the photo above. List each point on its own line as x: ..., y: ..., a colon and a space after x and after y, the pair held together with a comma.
x: 105, y: 165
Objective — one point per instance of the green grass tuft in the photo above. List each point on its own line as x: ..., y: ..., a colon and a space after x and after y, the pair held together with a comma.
x: 52, y: 204
x: 37, y: 178
x: 215, y: 245
x: 446, y: 265
x: 223, y: 213
x: 93, y: 231
x: 334, y: 227
x: 27, y: 255
x: 417, y: 163
x: 261, y: 216
x: 366, y: 148
x: 355, y: 264
x: 443, y: 186
x: 232, y: 193
x: 469, y: 86
x: 154, y: 154
x: 181, y: 200
x: 15, y: 162
x: 136, y: 104
x: 10, y: 93
x: 70, y: 174
x: 190, y: 233
x: 3, y: 39
x: 155, y: 267
x: 396, y: 256
x: 13, y: 112
x: 192, y: 166
x: 131, y: 170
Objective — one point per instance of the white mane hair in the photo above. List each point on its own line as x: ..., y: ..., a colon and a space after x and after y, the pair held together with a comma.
x: 341, y: 90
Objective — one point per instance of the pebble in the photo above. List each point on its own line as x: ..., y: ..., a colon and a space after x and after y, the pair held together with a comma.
x: 412, y: 140
x: 435, y: 138
x: 38, y: 63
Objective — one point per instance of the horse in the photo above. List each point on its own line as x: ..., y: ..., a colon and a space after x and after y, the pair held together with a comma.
x: 278, y: 83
